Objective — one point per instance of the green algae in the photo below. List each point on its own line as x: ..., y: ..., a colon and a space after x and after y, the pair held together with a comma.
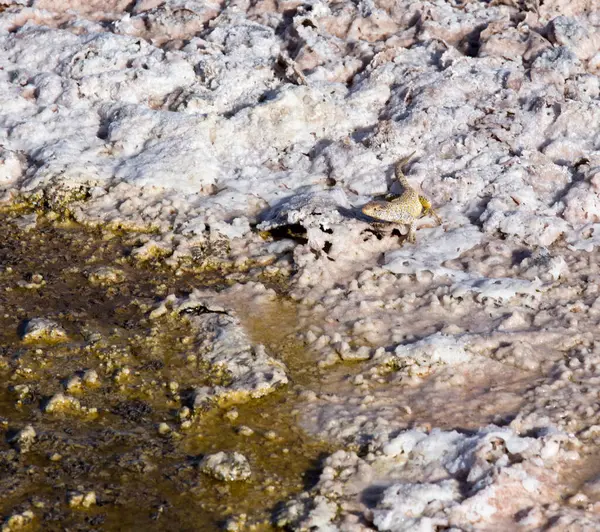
x: 143, y: 479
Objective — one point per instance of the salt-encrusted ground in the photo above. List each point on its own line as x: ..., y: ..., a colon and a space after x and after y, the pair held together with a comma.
x: 248, y: 134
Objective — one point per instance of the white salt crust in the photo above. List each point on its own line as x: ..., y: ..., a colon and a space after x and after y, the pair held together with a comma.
x: 422, y: 481
x: 217, y: 124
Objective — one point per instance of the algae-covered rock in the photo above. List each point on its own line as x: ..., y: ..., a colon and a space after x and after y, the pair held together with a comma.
x: 43, y: 330
x: 226, y: 466
x: 239, y: 370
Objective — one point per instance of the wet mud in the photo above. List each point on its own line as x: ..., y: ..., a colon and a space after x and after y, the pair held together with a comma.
x: 112, y: 453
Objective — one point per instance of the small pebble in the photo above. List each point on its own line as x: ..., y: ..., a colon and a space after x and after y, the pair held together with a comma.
x: 232, y: 414
x: 226, y: 466
x: 163, y: 428
x: 24, y: 439
x: 243, y: 430
x: 43, y: 330
x: 90, y: 377
x: 84, y: 500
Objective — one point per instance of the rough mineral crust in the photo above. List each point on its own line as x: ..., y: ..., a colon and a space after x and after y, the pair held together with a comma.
x: 43, y: 330
x: 239, y: 369
x: 226, y: 466
x: 257, y: 130
x: 435, y: 349
x: 421, y: 481
x: 202, y: 117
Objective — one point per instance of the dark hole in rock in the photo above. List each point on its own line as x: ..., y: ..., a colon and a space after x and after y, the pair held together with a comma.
x: 371, y: 496
x: 520, y: 255
x: 330, y: 182
x: 328, y: 231
x: 327, y: 247
x: 471, y: 43
x: 294, y: 231
x: 377, y: 234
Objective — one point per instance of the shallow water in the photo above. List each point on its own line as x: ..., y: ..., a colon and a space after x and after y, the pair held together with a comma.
x: 141, y: 480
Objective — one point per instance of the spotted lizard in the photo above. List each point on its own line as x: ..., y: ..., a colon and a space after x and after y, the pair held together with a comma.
x: 404, y: 209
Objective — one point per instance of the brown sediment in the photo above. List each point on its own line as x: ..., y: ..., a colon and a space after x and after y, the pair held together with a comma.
x: 141, y: 479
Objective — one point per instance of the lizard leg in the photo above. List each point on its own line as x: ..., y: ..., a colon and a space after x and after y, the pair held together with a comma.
x: 435, y: 215
x: 412, y: 234
x: 428, y: 209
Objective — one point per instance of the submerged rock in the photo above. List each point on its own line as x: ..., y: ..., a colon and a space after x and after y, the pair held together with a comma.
x: 43, y: 330
x: 83, y: 500
x: 238, y: 369
x: 226, y: 466
x: 18, y: 521
x: 66, y: 404
x: 24, y: 439
x: 106, y: 275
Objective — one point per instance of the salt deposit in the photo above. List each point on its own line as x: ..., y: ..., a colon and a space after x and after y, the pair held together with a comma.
x: 249, y: 134
x: 419, y: 481
x: 238, y: 369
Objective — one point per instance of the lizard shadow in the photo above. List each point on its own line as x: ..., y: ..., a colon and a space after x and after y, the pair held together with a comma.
x: 354, y: 213
x: 380, y: 229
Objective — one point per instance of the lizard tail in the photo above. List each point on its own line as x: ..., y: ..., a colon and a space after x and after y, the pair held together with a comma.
x: 398, y: 169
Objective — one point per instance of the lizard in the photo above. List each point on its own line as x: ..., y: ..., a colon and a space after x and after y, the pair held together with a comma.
x: 403, y: 209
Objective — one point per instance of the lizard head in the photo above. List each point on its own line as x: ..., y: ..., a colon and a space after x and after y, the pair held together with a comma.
x: 380, y: 210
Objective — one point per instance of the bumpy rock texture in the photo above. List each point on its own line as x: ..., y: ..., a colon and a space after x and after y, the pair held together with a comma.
x: 419, y: 481
x: 256, y: 130
x: 238, y: 370
x: 226, y: 466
